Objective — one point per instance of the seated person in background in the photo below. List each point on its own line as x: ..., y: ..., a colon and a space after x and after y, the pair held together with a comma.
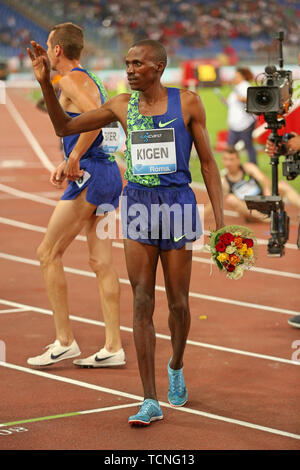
x: 240, y: 180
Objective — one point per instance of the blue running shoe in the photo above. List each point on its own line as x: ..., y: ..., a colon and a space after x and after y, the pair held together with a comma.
x: 177, y: 393
x: 149, y: 411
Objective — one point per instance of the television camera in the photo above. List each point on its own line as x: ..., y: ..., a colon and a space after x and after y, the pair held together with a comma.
x: 273, y: 99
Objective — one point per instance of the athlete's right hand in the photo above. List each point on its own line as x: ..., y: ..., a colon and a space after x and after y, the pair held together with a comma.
x: 58, y: 175
x: 40, y: 61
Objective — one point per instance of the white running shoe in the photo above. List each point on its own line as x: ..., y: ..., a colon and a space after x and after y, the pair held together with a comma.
x: 55, y: 353
x: 102, y: 358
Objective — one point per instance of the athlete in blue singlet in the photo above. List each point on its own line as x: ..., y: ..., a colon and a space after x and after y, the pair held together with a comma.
x: 159, y: 177
x: 161, y: 125
x: 101, y: 173
x: 94, y: 187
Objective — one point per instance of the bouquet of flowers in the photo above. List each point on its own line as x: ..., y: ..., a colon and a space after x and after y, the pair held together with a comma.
x: 233, y: 248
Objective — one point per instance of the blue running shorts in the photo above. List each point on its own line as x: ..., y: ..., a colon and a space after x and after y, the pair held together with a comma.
x: 165, y: 217
x: 104, y: 184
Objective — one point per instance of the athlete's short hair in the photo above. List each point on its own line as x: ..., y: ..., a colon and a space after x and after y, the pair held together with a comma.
x: 160, y: 54
x: 232, y: 151
x: 70, y: 38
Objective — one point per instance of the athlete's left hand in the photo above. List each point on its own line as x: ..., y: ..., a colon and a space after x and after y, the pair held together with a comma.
x: 72, y: 170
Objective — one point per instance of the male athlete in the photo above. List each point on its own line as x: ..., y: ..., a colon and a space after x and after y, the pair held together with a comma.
x: 94, y: 179
x: 240, y: 180
x: 161, y: 125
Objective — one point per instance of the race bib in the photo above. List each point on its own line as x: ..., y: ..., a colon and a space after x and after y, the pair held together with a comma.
x: 111, y: 138
x: 83, y: 179
x: 153, y: 151
x: 246, y: 188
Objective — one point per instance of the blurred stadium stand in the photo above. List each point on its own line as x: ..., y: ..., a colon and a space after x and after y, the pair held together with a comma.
x: 16, y: 31
x: 232, y: 30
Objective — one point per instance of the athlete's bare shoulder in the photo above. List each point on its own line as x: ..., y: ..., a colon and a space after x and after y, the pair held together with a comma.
x: 72, y: 82
x: 71, y: 78
x: 192, y: 106
x: 189, y: 97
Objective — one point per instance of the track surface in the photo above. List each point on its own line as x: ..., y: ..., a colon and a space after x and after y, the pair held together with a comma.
x: 242, y: 358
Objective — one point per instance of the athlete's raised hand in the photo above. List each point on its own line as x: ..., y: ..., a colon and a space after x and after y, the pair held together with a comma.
x: 40, y: 61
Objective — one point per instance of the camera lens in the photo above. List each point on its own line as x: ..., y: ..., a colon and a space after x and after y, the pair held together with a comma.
x: 263, y: 98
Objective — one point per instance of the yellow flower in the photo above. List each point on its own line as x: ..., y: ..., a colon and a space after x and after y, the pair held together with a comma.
x: 222, y: 257
x: 248, y: 253
x: 243, y: 249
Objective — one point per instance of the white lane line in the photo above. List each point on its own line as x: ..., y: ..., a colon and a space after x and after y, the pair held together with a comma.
x: 158, y: 335
x: 69, y: 414
x: 196, y: 295
x: 119, y: 393
x: 29, y: 135
x: 51, y: 202
x: 15, y: 310
x: 33, y: 197
x: 38, y: 228
x: 24, y: 195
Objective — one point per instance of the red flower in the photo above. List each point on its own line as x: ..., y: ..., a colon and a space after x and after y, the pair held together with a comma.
x: 226, y: 238
x: 249, y: 242
x: 220, y: 246
x: 230, y: 267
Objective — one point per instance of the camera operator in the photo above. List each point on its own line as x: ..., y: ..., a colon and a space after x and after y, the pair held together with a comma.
x: 293, y: 145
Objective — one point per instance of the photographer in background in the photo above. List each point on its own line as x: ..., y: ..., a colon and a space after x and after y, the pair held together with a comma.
x: 241, y: 124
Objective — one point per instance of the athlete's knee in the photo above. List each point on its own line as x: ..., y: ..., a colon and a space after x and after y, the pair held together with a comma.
x: 42, y: 254
x: 179, y: 307
x: 143, y: 302
x: 100, y: 267
x: 47, y: 255
x: 231, y: 200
